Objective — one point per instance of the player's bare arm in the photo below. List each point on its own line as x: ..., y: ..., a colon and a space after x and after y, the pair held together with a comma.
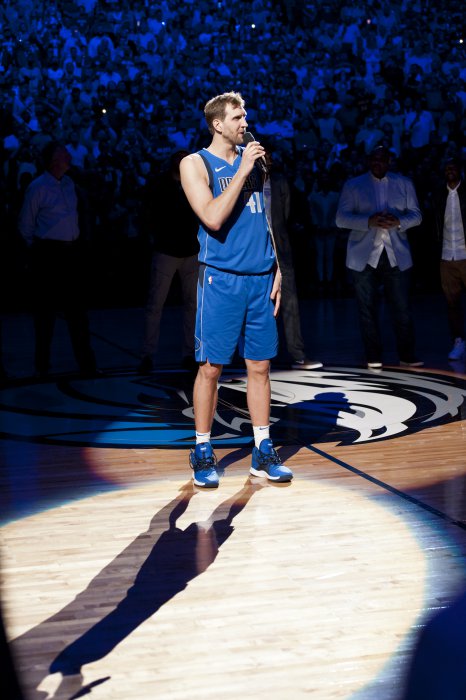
x: 214, y: 211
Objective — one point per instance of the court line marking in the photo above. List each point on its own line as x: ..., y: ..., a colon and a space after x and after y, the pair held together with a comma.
x: 396, y: 492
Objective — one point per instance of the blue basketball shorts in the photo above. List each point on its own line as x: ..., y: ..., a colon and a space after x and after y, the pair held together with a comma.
x: 234, y: 310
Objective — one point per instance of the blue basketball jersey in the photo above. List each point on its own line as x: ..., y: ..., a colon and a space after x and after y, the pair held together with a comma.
x: 243, y: 244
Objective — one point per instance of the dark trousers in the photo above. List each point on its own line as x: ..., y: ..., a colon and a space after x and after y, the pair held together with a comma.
x: 163, y: 270
x: 58, y: 284
x: 396, y: 286
x: 453, y: 280
x: 289, y: 312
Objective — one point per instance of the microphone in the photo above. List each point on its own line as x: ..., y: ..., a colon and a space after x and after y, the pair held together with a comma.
x: 247, y: 138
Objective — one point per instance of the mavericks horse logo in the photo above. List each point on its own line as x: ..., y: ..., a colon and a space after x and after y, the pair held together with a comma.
x: 342, y: 405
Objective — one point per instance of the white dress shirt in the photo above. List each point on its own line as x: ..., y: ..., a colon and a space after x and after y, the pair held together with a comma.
x: 382, y: 237
x: 453, y: 247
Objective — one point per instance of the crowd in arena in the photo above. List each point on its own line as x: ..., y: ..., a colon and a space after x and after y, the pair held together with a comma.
x: 123, y: 85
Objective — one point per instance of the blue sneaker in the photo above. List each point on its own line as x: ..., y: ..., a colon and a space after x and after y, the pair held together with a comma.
x: 266, y: 462
x: 203, y: 463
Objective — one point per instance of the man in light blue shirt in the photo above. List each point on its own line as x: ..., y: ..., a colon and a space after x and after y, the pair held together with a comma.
x: 49, y: 224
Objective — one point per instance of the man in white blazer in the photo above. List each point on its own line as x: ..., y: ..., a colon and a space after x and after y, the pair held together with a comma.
x: 379, y: 207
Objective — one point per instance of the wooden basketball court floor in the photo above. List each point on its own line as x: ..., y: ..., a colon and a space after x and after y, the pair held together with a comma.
x: 120, y: 580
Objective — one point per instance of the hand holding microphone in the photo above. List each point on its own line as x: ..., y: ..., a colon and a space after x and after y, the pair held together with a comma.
x: 249, y: 138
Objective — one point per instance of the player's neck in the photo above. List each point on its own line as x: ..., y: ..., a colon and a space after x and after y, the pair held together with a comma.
x: 223, y: 149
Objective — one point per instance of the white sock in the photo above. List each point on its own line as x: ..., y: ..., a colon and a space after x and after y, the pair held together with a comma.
x: 202, y: 437
x: 261, y: 432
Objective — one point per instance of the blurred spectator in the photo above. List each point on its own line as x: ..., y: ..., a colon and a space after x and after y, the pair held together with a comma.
x: 329, y: 126
x: 79, y: 153
x: 450, y: 218
x: 420, y: 125
x: 369, y: 136
x: 323, y: 202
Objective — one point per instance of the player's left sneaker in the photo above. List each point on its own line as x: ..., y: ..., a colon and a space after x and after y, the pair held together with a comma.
x: 266, y: 463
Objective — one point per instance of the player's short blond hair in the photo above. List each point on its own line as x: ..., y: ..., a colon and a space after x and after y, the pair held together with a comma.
x: 216, y: 107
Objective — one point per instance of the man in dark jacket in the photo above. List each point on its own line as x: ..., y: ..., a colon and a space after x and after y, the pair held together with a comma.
x: 450, y: 220
x: 173, y: 226
x: 277, y: 201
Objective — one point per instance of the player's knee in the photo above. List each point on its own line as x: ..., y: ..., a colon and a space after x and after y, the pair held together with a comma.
x: 208, y: 372
x: 258, y: 368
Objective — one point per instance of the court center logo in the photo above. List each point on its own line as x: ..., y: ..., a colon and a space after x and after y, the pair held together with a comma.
x: 342, y: 405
